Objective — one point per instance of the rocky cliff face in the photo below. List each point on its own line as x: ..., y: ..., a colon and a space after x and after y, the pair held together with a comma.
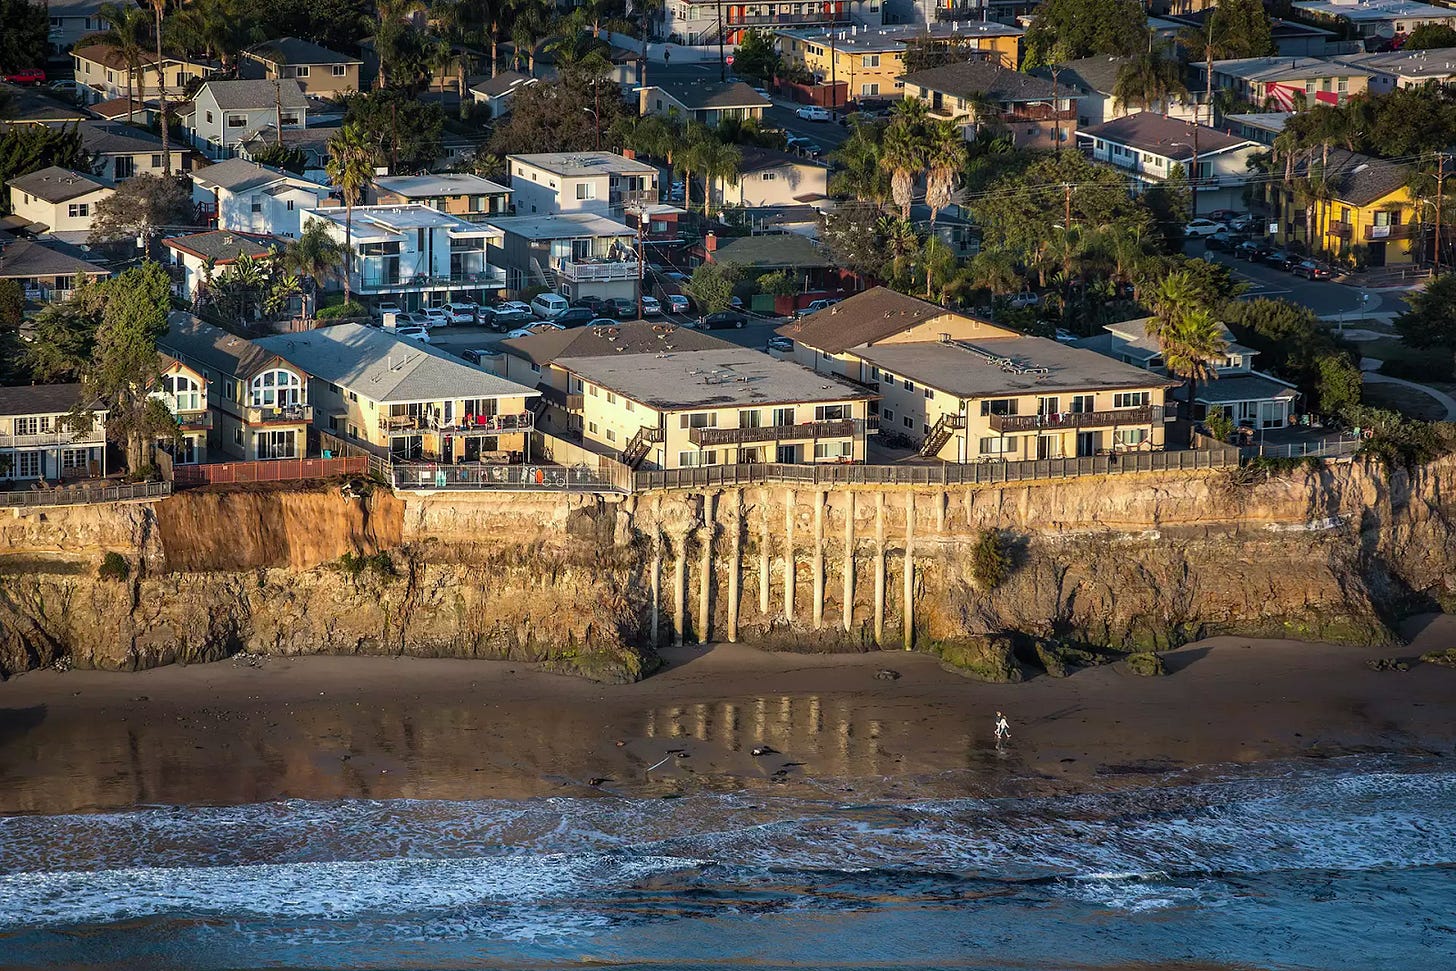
x: 587, y: 584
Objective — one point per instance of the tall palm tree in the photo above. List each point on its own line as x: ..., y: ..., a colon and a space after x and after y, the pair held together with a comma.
x: 995, y: 270
x: 220, y: 29
x: 129, y: 31
x: 1149, y: 81
x: 315, y: 255
x: 531, y: 20
x: 1192, y: 349
x: 945, y: 158
x: 351, y: 168
x: 718, y: 163
x: 1175, y: 297
x: 159, y: 7
x: 859, y: 170
x: 901, y: 242
x: 904, y: 154
x: 395, y: 21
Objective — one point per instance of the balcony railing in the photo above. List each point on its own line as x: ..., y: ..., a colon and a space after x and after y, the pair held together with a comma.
x: 813, y: 17
x: 464, y: 425
x: 708, y: 437
x: 62, y: 436
x: 1342, y: 230
x: 1023, y: 116
x: 193, y: 420
x: 289, y: 414
x: 370, y: 283
x: 960, y: 11
x: 629, y: 198
x: 1379, y: 233
x: 1076, y: 419
x: 598, y: 270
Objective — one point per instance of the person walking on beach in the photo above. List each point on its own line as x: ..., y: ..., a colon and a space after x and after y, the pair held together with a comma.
x: 1003, y: 728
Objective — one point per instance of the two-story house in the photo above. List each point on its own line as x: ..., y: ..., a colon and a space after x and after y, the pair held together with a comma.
x: 45, y: 274
x: 657, y: 397
x: 319, y: 71
x: 414, y: 255
x: 122, y: 151
x: 770, y: 179
x: 197, y: 257
x: 578, y: 254
x: 259, y: 402
x: 1375, y: 20
x: 57, y: 200
x: 183, y: 389
x: 708, y: 103
x: 102, y: 71
x: 71, y: 20
x: 457, y: 193
x: 966, y: 390
x: 1366, y: 202
x: 1034, y: 111
x: 1249, y: 397
x: 1094, y: 80
x: 38, y: 440
x: 1153, y: 147
x: 598, y: 182
x: 406, y: 400
x: 1284, y: 83
x: 1404, y: 69
x: 494, y: 95
x: 243, y: 196
x: 223, y: 113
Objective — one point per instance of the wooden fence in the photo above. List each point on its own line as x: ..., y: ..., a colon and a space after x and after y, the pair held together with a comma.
x: 83, y: 493
x: 269, y: 470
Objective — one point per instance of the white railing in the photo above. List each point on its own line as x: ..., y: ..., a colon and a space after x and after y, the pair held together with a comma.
x: 599, y: 271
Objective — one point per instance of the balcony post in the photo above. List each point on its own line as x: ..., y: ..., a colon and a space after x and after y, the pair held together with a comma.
x: 764, y: 566
x: 735, y: 558
x: 679, y: 590
x: 705, y: 567
x: 908, y: 631
x: 880, y: 566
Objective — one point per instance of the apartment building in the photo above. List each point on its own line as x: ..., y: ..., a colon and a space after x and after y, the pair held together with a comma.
x: 1152, y: 147
x: 457, y: 193
x: 966, y: 390
x: 243, y: 196
x: 696, y: 22
x: 318, y: 70
x: 1367, y: 203
x: 658, y: 397
x: 1375, y: 19
x: 225, y: 113
x: 406, y: 400
x: 103, y: 71
x: 414, y: 255
x: 596, y: 182
x: 1284, y: 83
x: 57, y: 200
x: 1032, y: 110
x: 259, y: 402
x: 1404, y: 69
x: 578, y: 254
x: 38, y: 442
x: 768, y: 179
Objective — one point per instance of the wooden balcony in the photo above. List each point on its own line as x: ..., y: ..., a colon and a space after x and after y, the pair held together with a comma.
x: 1076, y: 419
x: 1380, y: 234
x: 288, y: 415
x: 1341, y: 230
x: 807, y: 431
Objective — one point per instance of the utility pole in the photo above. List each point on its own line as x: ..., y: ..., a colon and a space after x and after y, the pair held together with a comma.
x: 722, y: 63
x: 641, y: 220
x: 1068, y: 224
x: 1440, y: 198
x: 278, y: 109
x: 1193, y: 181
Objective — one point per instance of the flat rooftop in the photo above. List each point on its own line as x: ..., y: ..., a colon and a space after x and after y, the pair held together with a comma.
x: 560, y: 226
x: 880, y: 39
x: 442, y: 184
x: 965, y: 369
x: 1375, y: 10
x: 584, y: 163
x: 391, y: 220
x: 699, y: 380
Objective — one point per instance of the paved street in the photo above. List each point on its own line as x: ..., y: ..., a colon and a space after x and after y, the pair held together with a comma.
x: 1325, y: 298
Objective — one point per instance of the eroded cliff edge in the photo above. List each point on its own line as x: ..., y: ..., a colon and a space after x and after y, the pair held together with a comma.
x: 1139, y: 562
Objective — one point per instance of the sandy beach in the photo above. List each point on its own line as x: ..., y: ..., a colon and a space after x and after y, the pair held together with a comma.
x: 322, y: 728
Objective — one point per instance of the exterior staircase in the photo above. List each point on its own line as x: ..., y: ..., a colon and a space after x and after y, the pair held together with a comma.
x: 940, y: 433
x: 640, y: 444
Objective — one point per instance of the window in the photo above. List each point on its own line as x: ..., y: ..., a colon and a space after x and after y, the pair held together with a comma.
x: 769, y: 176
x: 276, y: 444
x: 1081, y: 404
x: 870, y: 60
x: 73, y: 459
x: 1129, y: 436
x: 611, y: 435
x: 209, y: 116
x: 586, y: 190
x: 909, y: 385
x: 869, y: 90
x: 611, y: 398
x: 887, y: 415
x: 698, y: 419
x: 300, y: 71
x: 276, y: 389
x: 339, y: 70
x: 237, y: 121
x: 996, y: 446
x: 783, y: 416
x: 831, y: 412
x: 290, y: 205
x: 929, y: 393
x: 691, y: 460
x: 290, y: 119
x: 999, y: 406
x: 27, y: 465
x: 257, y: 203
x: 124, y: 167
x: 31, y: 426
x: 1130, y: 399
x: 833, y: 450
x: 750, y: 418
x: 156, y: 161
x: 78, y: 210
x: 591, y: 426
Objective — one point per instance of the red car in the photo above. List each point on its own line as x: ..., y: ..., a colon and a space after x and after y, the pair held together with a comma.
x: 26, y: 75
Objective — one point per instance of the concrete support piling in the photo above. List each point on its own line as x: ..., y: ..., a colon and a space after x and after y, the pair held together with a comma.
x: 909, y: 625
x: 848, y: 561
x: 879, y: 568
x: 765, y: 572
x: 679, y: 592
x: 790, y: 573
x: 656, y: 591
x: 735, y: 558
x: 818, y: 560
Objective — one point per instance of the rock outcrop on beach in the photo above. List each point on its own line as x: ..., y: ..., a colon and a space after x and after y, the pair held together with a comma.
x: 589, y: 584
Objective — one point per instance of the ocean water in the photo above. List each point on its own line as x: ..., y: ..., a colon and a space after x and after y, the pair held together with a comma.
x: 1321, y: 866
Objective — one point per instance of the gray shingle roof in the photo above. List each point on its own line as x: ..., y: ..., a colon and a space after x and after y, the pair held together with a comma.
x: 502, y: 83
x: 242, y: 95
x: 635, y: 337
x: 119, y: 138
x: 783, y: 249
x: 1243, y: 387
x: 1355, y: 178
x: 1097, y: 73
x: 22, y: 259
x: 191, y: 339
x: 293, y: 50
x: 756, y: 159
x: 980, y: 77
x: 1150, y: 132
x: 56, y: 184
x: 237, y: 175
x: 385, y: 368
x: 731, y: 94
x: 224, y: 245
x: 39, y: 399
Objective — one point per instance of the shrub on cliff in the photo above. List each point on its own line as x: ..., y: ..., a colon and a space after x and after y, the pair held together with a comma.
x: 113, y: 567
x: 990, y: 560
x: 1446, y: 658
x: 379, y: 564
x: 1145, y: 664
x: 1398, y: 441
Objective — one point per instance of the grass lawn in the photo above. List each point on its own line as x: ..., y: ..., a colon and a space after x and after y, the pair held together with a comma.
x: 1407, y: 401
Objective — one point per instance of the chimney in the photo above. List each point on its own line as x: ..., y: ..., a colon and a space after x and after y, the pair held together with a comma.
x: 629, y: 153
x: 710, y: 243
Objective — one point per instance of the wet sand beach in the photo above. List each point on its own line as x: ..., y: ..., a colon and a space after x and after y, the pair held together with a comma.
x: 320, y: 728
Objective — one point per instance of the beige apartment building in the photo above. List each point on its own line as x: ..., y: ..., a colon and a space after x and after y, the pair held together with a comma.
x: 405, y: 400
x: 965, y: 390
x: 675, y: 399
x: 319, y: 71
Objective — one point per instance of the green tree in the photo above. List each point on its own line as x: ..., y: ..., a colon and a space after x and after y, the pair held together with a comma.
x: 23, y: 41
x: 129, y: 32
x: 141, y: 207
x: 945, y: 157
x: 403, y: 131
x: 1150, y: 81
x: 1192, y: 348
x: 756, y: 58
x: 336, y: 24
x: 315, y: 256
x: 1430, y: 323
x: 351, y: 168
x: 1338, y: 384
x: 30, y: 148
x: 779, y: 283
x: 219, y: 29
x: 858, y: 171
x: 1295, y: 346
x: 281, y: 156
x: 1065, y: 30
x: 396, y: 40
x: 711, y: 285
x: 1429, y: 37
x: 851, y: 233
x: 995, y: 270
x: 549, y: 117
x: 904, y: 151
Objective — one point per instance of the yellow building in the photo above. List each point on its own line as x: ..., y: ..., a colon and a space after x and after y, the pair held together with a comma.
x: 1367, y: 205
x: 103, y: 71
x: 871, y: 60
x: 965, y: 390
x: 659, y: 397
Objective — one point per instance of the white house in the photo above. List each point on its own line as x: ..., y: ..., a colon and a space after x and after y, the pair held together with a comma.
x: 768, y: 179
x: 1151, y: 146
x: 709, y: 103
x: 224, y: 113
x: 414, y: 255
x: 57, y: 200
x: 247, y: 197
x: 36, y: 440
x: 577, y: 254
x: 191, y: 256
x: 494, y: 95
x: 70, y: 20
x: 598, y: 182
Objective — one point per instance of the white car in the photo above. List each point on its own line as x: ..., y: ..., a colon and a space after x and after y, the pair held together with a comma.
x: 549, y: 305
x: 435, y: 317
x: 539, y: 328
x: 815, y: 306
x: 813, y: 113
x: 66, y: 87
x: 461, y: 311
x: 413, y: 333
x: 1026, y: 298
x: 650, y: 307
x: 1203, y: 228
x: 387, y: 307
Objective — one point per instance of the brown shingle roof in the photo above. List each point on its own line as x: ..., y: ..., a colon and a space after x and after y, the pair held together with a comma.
x: 636, y: 337
x: 861, y: 319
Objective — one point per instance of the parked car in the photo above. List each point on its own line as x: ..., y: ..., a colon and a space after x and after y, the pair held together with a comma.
x: 420, y: 334
x: 1026, y: 298
x: 540, y: 327
x: 1066, y: 337
x: 549, y: 306
x: 1251, y: 250
x: 1222, y: 242
x: 387, y: 307
x: 594, y: 304
x: 1245, y: 223
x: 480, y: 356
x: 736, y: 303
x: 25, y: 75
x: 813, y: 113
x: 604, y: 322
x: 510, y: 312
x: 763, y: 93
x: 677, y: 190
x: 435, y: 317
x: 620, y: 307
x: 814, y: 306
x: 71, y: 88
x: 678, y: 303
x: 408, y: 319
x: 1224, y: 216
x: 782, y: 344
x: 1313, y: 270
x: 723, y: 318
x: 650, y: 307
x: 1203, y: 228
x: 462, y: 311
x: 1281, y: 259
x: 574, y: 317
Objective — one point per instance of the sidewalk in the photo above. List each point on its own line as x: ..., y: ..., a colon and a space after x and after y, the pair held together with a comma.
x: 1371, y: 376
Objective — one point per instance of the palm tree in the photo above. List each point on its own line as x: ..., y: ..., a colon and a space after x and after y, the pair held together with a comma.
x: 904, y: 154
x: 351, y: 168
x: 717, y: 162
x: 945, y: 157
x: 159, y: 7
x: 315, y: 255
x: 995, y: 270
x: 128, y: 34
x: 1175, y: 297
x: 860, y: 172
x: 1192, y: 349
x: 1148, y: 81
x: 900, y: 243
x: 221, y: 29
x: 395, y: 20
x: 531, y: 20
